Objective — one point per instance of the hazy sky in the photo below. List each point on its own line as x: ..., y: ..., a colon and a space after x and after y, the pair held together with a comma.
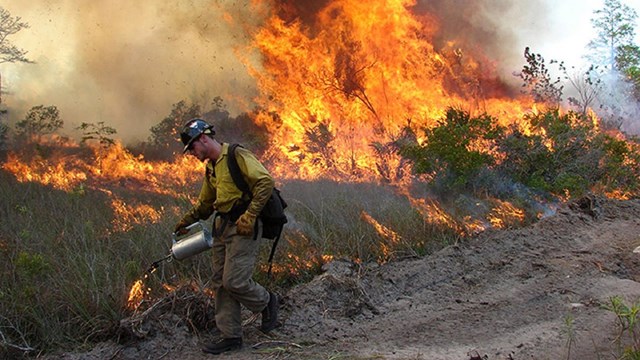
x: 570, y: 22
x: 126, y: 62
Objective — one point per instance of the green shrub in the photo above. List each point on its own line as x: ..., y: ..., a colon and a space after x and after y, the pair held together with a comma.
x: 30, y: 266
x: 628, y: 340
x: 456, y: 149
x: 566, y: 154
x: 620, y: 165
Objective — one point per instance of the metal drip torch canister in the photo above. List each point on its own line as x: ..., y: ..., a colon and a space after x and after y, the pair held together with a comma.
x: 192, y: 243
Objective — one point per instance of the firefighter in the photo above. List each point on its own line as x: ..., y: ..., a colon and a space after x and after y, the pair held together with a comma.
x: 235, y: 229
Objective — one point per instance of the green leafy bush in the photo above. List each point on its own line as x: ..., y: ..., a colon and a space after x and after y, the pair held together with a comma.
x: 456, y: 149
x: 567, y: 155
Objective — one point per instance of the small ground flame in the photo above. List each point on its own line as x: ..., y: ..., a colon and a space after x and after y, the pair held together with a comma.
x: 384, y: 231
x: 505, y: 215
x: 136, y: 295
x: 391, y: 236
x: 127, y: 214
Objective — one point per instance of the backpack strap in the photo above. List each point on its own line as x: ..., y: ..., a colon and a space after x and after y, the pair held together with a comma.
x: 273, y: 252
x: 234, y: 169
x: 238, y: 179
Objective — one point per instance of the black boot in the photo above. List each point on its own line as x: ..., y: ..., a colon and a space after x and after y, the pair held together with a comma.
x: 270, y: 314
x: 223, y: 345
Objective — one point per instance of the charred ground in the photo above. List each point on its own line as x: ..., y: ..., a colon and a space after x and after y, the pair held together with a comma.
x: 531, y: 293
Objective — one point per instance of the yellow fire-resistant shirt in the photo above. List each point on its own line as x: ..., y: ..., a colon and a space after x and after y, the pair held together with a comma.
x: 220, y: 193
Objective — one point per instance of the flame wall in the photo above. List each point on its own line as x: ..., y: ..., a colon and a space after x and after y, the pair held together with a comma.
x: 127, y: 63
x: 364, y: 70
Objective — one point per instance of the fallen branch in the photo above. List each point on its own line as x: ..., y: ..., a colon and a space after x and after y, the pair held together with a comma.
x: 6, y: 342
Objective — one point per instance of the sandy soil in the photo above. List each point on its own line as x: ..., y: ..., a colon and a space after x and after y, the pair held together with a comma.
x: 507, y: 294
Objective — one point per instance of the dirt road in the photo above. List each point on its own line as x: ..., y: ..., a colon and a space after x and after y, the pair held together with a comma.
x: 530, y: 293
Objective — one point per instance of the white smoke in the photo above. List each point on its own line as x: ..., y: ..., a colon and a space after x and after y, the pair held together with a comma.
x: 617, y: 104
x: 126, y: 63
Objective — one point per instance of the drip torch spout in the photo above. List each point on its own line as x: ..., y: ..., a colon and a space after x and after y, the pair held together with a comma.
x: 156, y: 263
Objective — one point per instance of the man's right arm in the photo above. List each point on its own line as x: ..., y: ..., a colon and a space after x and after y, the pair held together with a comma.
x: 203, y: 208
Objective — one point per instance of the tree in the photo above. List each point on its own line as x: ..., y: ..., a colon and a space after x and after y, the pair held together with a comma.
x: 219, y: 109
x: 615, y: 25
x: 9, y: 26
x: 241, y: 129
x: 165, y: 135
x: 628, y: 62
x: 9, y: 52
x: 613, y: 48
x: 349, y: 73
x: 587, y: 86
x: 537, y: 82
x: 100, y: 132
x: 39, y: 121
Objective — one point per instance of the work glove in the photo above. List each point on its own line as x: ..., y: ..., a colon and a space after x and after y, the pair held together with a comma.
x: 181, y: 226
x: 245, y: 224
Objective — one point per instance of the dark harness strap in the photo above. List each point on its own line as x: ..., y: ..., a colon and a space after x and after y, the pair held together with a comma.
x: 217, y: 232
x: 241, y: 184
x: 236, y: 173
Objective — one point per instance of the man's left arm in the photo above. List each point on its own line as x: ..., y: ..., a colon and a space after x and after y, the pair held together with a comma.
x: 261, y: 185
x: 258, y: 178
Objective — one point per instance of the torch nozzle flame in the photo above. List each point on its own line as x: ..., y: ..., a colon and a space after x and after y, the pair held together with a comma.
x: 154, y: 266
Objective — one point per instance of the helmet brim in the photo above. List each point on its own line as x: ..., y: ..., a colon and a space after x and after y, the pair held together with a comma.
x: 186, y: 147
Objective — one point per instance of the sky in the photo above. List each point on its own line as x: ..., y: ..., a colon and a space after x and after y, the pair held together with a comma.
x: 571, y: 29
x: 569, y: 34
x: 127, y: 62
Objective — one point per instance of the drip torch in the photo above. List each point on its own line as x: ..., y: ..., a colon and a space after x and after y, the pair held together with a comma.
x: 195, y: 241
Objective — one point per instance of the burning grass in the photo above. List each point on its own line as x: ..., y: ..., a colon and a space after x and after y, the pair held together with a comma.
x: 186, y: 305
x: 70, y: 271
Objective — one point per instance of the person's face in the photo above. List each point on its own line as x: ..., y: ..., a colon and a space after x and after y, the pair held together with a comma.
x: 198, y: 149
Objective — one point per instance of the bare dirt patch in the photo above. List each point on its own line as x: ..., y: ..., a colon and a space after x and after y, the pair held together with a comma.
x: 503, y: 295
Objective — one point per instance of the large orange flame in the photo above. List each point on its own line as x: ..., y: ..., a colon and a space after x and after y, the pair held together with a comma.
x: 67, y: 171
x: 356, y: 76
